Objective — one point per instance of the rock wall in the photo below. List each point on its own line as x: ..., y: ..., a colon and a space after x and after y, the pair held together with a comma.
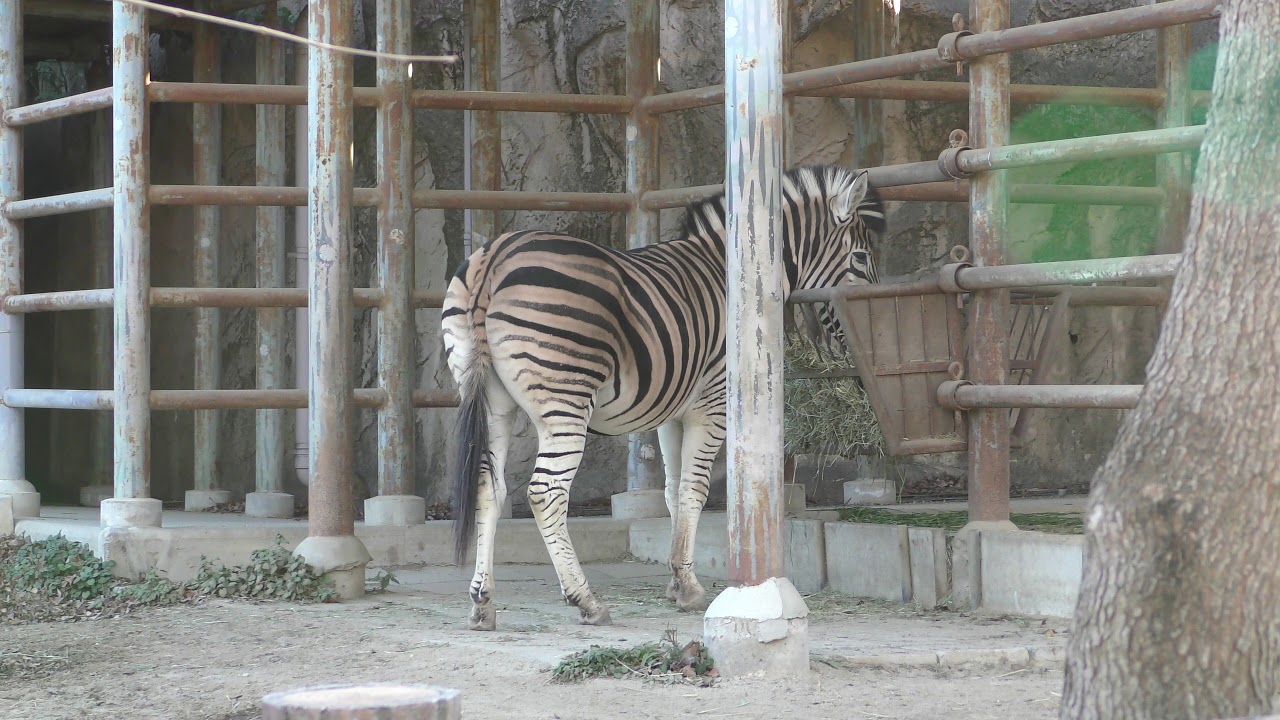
x: 578, y: 46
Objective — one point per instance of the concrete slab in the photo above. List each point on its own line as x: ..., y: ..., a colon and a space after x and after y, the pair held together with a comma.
x: 871, y: 491
x: 1030, y: 573
x: 805, y: 554
x: 930, y: 577
x: 867, y: 560
x: 6, y: 516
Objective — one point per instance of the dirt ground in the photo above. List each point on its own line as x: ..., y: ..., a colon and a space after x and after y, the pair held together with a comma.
x: 216, y: 659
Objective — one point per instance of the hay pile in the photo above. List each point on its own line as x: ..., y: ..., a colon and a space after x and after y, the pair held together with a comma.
x: 826, y: 416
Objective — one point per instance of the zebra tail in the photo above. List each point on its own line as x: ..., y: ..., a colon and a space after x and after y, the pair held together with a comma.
x: 473, y: 453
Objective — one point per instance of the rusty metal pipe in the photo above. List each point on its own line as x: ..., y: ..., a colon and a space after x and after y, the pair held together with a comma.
x: 132, y: 232
x: 57, y: 399
x: 961, y: 395
x: 261, y: 399
x: 1098, y: 147
x: 57, y: 301
x: 99, y: 199
x: 1173, y: 170
x: 951, y: 91
x: 86, y: 102
x: 483, y: 168
x: 520, y: 200
x: 206, y: 161
x: 1066, y: 272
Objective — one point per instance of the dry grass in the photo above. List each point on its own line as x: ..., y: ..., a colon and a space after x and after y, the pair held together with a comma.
x: 828, y: 416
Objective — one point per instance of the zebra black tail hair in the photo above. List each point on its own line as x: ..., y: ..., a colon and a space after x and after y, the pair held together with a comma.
x: 473, y: 453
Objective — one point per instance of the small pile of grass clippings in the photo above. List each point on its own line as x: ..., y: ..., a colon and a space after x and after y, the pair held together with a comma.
x: 951, y: 521
x: 666, y: 660
x: 826, y: 416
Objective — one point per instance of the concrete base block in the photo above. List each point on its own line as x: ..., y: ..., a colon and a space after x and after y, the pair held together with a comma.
x: 1031, y: 573
x: 131, y: 512
x: 7, y: 524
x: 793, y: 502
x: 341, y: 557
x: 268, y: 505
x: 395, y: 510
x: 966, y: 563
x: 759, y: 629
x: 197, y: 500
x: 878, y: 491
x: 930, y: 584
x: 93, y: 495
x: 26, y: 501
x: 637, y: 504
x: 869, y: 560
x: 805, y: 554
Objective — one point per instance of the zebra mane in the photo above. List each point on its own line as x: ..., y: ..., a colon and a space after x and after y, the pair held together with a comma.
x: 809, y: 181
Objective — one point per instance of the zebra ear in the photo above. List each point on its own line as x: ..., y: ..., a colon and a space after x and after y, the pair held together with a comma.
x: 847, y: 199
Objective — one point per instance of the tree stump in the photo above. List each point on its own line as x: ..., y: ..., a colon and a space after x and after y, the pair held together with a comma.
x: 369, y: 701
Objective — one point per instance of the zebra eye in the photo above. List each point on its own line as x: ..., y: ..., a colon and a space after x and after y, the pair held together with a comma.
x: 859, y: 257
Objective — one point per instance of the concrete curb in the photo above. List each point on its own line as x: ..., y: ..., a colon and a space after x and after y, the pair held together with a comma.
x: 1046, y: 656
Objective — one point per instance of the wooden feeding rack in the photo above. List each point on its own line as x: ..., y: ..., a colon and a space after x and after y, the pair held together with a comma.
x: 906, y: 339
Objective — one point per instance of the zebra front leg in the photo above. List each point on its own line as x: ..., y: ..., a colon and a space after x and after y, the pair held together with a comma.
x: 560, y: 450
x: 670, y: 440
x: 492, y: 493
x: 701, y: 443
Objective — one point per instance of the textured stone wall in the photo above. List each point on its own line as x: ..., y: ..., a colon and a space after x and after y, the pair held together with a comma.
x: 578, y: 46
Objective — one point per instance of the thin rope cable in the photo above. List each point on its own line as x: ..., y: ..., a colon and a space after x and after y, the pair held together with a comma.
x: 287, y: 37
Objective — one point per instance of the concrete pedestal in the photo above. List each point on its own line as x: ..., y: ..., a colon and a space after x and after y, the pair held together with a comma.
x: 638, y: 504
x: 759, y: 629
x: 877, y: 491
x: 268, y: 505
x: 6, y: 516
x: 395, y: 510
x: 793, y: 501
x: 93, y: 495
x: 966, y: 562
x: 131, y: 512
x: 197, y: 500
x: 26, y: 501
x: 342, y: 557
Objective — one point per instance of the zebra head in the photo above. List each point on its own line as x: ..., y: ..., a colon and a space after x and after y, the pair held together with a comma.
x: 832, y: 215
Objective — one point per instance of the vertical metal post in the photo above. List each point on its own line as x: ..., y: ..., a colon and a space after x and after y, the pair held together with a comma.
x: 753, y: 188
x: 132, y: 504
x: 396, y: 504
x: 301, y: 235
x: 269, y: 498
x: 761, y: 595
x: 988, y: 216
x: 1173, y: 170
x: 100, y: 235
x: 331, y: 545
x: 644, y: 496
x: 868, y: 123
x: 13, y: 481
x: 484, y: 63
x: 206, y: 132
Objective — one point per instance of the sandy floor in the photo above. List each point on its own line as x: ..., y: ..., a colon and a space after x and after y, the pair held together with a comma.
x: 217, y: 659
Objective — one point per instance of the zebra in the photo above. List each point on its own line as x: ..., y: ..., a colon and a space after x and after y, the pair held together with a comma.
x: 587, y: 339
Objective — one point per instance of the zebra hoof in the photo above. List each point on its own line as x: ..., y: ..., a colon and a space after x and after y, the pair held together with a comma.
x: 483, y: 617
x: 673, y: 590
x: 600, y: 616
x: 691, y: 598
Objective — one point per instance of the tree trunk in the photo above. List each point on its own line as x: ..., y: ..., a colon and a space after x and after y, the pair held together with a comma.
x: 1179, y: 609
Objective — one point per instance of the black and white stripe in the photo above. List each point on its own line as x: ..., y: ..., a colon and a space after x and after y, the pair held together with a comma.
x: 584, y: 338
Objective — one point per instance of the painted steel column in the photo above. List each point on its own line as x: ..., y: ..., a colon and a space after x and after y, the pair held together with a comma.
x: 302, y: 267
x: 396, y: 503
x: 132, y: 504
x: 269, y: 498
x: 13, y: 481
x: 754, y: 134
x: 988, y: 216
x: 760, y: 600
x: 644, y: 466
x: 484, y: 64
x: 1173, y: 171
x: 206, y: 132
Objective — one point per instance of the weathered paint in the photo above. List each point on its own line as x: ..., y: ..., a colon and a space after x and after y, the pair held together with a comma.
x: 1173, y: 171
x: 270, y: 233
x: 132, y: 243
x: 753, y: 128
x: 1098, y: 147
x: 957, y: 395
x: 368, y: 197
x: 87, y: 102
x: 484, y: 66
x: 329, y: 185
x: 644, y: 467
x: 12, y: 429
x: 59, y: 399
x: 395, y: 320
x: 206, y: 161
x: 988, y: 219
x: 1067, y: 272
x: 205, y: 399
x: 99, y: 199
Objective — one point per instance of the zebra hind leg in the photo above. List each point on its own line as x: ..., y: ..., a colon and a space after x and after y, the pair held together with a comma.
x: 701, y: 443
x: 670, y: 440
x: 560, y: 447
x: 492, y: 493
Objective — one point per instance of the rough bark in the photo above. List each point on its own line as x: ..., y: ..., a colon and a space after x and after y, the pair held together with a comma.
x: 1177, y: 616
